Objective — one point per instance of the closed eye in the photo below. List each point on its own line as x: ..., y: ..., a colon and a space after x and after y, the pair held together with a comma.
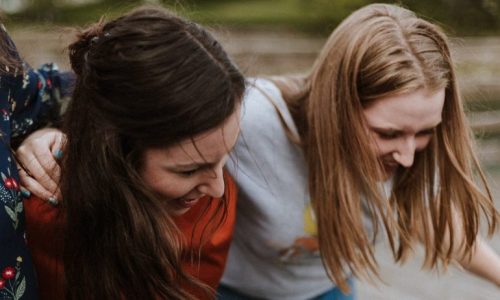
x: 426, y: 132
x: 389, y: 135
x: 188, y: 173
x: 195, y: 170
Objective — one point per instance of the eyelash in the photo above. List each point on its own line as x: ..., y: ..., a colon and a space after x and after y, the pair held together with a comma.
x: 188, y: 173
x: 387, y: 136
x: 396, y: 135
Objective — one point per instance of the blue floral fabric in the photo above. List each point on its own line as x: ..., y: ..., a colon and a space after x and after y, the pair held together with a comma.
x: 28, y: 99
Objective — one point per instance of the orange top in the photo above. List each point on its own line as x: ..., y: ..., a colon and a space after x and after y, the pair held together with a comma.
x: 44, y: 231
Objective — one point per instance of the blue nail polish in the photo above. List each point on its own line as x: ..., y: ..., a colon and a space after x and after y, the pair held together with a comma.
x: 25, y: 193
x: 58, y: 154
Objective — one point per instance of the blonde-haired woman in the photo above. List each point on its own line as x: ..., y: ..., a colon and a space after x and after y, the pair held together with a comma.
x: 381, y: 104
x: 373, y: 139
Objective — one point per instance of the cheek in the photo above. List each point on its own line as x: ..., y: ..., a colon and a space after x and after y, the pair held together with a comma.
x: 422, y: 143
x: 381, y: 147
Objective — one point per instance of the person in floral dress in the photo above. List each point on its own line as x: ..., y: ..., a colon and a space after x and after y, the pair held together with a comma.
x: 29, y: 98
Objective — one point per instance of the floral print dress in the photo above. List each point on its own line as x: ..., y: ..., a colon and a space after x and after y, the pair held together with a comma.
x: 28, y: 99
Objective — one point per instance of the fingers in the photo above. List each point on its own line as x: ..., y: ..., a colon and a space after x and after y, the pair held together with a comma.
x: 41, y: 167
x: 36, y: 156
x: 58, y: 146
x: 29, y: 184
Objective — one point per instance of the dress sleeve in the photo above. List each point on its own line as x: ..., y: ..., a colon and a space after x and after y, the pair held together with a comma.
x: 34, y: 98
x: 30, y: 98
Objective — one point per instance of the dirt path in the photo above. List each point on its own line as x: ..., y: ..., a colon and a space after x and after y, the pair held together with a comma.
x: 285, y: 52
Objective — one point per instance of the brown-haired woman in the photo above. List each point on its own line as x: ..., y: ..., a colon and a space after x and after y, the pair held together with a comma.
x: 154, y: 113
x: 381, y: 103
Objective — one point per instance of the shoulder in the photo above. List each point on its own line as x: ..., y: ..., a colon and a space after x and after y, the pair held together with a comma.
x: 257, y: 87
x: 261, y: 93
x: 263, y: 133
x: 261, y: 104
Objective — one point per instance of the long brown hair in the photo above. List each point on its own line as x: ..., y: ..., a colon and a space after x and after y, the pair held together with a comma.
x: 147, y: 79
x: 378, y: 51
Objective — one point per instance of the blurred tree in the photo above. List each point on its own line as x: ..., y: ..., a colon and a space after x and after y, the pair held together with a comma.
x: 41, y: 10
x: 464, y: 16
x: 53, y: 11
x: 122, y: 1
x: 42, y: 4
x: 329, y: 14
x: 468, y: 16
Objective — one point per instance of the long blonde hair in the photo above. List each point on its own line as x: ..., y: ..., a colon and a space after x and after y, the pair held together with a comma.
x: 378, y: 51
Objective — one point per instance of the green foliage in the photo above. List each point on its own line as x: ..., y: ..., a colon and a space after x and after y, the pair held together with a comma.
x: 464, y: 16
x: 46, y: 11
x: 317, y: 16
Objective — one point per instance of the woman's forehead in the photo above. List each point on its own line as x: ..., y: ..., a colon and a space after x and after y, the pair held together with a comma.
x: 410, y: 111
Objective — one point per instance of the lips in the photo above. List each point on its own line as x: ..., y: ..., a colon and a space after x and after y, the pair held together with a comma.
x: 182, y: 203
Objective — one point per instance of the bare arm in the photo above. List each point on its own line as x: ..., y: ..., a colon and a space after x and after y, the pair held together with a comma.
x: 483, y: 262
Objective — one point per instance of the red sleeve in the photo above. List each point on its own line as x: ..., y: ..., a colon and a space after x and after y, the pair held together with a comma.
x: 44, y: 232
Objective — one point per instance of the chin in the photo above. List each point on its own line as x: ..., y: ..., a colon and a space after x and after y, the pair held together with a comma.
x: 179, y: 211
x: 388, y: 172
x: 175, y: 210
x: 388, y: 176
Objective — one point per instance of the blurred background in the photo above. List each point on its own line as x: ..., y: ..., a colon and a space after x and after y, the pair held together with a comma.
x: 269, y: 37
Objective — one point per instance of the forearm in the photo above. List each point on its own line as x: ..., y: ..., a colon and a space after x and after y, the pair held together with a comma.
x: 484, y: 262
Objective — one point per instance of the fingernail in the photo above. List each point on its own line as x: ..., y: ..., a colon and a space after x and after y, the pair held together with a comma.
x: 25, y: 193
x: 53, y: 201
x: 58, y: 153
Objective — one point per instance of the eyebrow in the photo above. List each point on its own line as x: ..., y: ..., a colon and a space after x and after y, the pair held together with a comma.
x: 190, y: 166
x: 196, y: 165
x: 394, y: 130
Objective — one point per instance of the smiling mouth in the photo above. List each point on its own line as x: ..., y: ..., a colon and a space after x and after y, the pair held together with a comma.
x: 182, y: 203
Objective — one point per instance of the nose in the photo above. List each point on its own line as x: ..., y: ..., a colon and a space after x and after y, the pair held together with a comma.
x: 213, y: 184
x: 405, y: 152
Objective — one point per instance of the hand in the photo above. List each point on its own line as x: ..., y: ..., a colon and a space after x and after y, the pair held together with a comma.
x: 39, y: 170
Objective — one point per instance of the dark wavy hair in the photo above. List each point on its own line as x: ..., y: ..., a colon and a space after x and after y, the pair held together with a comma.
x: 147, y: 79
